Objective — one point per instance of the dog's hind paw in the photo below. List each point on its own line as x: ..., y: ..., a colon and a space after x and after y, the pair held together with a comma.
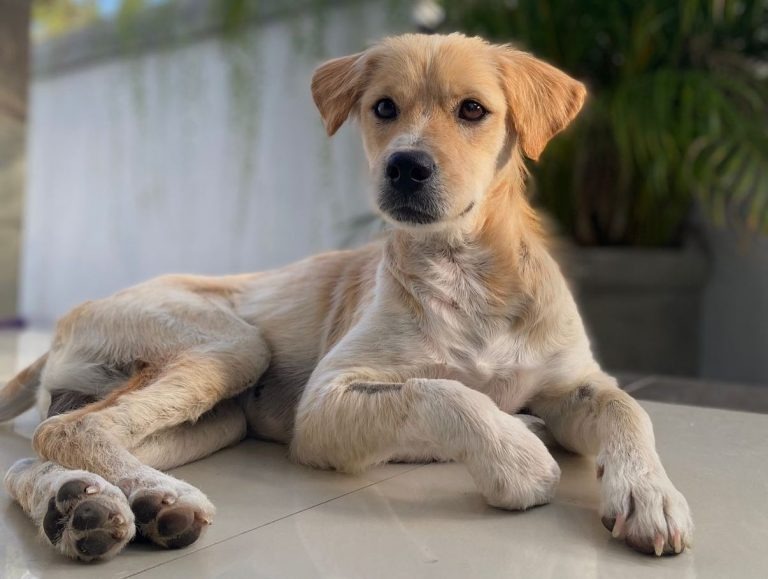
x: 87, y: 518
x: 170, y: 513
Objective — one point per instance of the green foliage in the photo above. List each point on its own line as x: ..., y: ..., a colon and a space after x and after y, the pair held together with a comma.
x: 56, y: 17
x: 678, y: 110
x: 234, y: 14
x: 131, y: 8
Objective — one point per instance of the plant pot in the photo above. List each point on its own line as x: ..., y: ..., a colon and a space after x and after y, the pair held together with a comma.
x: 641, y: 307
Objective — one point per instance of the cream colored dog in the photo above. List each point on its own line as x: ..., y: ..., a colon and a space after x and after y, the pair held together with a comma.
x: 420, y: 346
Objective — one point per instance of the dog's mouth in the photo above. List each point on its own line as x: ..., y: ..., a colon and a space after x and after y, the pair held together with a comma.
x: 405, y: 214
x: 418, y: 208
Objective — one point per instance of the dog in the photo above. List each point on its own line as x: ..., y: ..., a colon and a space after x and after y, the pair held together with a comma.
x: 420, y: 346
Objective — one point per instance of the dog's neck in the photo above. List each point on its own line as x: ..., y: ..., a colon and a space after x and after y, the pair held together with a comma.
x: 489, y: 260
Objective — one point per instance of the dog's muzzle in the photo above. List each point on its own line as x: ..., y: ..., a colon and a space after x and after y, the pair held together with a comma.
x: 409, y: 192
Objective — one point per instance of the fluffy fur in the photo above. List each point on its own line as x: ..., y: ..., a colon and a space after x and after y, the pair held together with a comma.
x: 422, y: 345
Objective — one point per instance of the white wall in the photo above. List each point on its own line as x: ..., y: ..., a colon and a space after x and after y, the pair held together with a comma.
x: 209, y: 157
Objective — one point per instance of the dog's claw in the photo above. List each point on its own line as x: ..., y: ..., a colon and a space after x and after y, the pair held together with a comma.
x: 677, y: 542
x: 618, y: 527
x: 91, y: 490
x: 658, y: 544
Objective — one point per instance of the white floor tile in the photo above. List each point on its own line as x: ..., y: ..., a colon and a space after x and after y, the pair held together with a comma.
x: 276, y: 519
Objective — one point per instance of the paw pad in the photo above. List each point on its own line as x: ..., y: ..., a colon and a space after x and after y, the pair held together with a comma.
x: 89, y: 515
x: 163, y: 520
x: 89, y: 520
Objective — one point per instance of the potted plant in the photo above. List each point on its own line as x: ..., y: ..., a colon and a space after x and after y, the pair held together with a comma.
x: 677, y: 120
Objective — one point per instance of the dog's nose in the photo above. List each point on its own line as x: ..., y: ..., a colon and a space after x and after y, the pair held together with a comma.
x: 407, y: 171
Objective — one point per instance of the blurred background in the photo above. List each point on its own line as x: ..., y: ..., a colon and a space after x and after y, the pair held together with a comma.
x: 141, y: 137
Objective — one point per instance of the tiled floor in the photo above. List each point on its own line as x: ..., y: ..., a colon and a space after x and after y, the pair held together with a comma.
x: 277, y: 519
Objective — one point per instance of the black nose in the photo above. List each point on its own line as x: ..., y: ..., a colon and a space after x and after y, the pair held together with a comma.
x: 408, y: 171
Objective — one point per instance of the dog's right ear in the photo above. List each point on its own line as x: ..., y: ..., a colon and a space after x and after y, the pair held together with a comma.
x: 336, y: 87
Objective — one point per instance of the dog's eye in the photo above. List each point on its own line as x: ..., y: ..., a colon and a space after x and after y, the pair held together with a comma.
x: 470, y: 110
x: 385, y: 109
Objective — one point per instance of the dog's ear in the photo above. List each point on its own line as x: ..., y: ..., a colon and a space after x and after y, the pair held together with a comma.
x: 336, y: 88
x: 542, y: 99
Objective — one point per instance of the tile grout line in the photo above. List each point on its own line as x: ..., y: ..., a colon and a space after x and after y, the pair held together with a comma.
x: 256, y: 528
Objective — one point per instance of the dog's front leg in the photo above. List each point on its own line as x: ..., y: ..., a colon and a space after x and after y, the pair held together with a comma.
x: 351, y: 421
x: 639, y: 503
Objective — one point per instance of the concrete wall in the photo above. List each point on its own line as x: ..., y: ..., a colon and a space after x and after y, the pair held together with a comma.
x: 14, y: 70
x: 204, y: 155
x: 734, y: 344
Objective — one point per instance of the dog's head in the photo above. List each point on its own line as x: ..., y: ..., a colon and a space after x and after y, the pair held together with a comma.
x: 441, y: 117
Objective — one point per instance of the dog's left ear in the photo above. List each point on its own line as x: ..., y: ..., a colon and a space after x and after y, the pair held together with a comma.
x: 543, y: 100
x: 336, y: 88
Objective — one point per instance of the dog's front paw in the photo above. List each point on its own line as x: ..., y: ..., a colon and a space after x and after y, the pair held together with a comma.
x: 516, y: 471
x: 645, y: 510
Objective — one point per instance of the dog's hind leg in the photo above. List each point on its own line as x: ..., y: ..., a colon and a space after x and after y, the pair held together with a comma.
x: 223, y: 426
x: 83, y: 516
x: 102, y: 436
x: 78, y: 513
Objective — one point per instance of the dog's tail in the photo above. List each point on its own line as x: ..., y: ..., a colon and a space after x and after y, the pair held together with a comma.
x: 21, y: 392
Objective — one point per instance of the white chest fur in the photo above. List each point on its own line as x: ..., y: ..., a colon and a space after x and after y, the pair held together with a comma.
x: 466, y: 330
